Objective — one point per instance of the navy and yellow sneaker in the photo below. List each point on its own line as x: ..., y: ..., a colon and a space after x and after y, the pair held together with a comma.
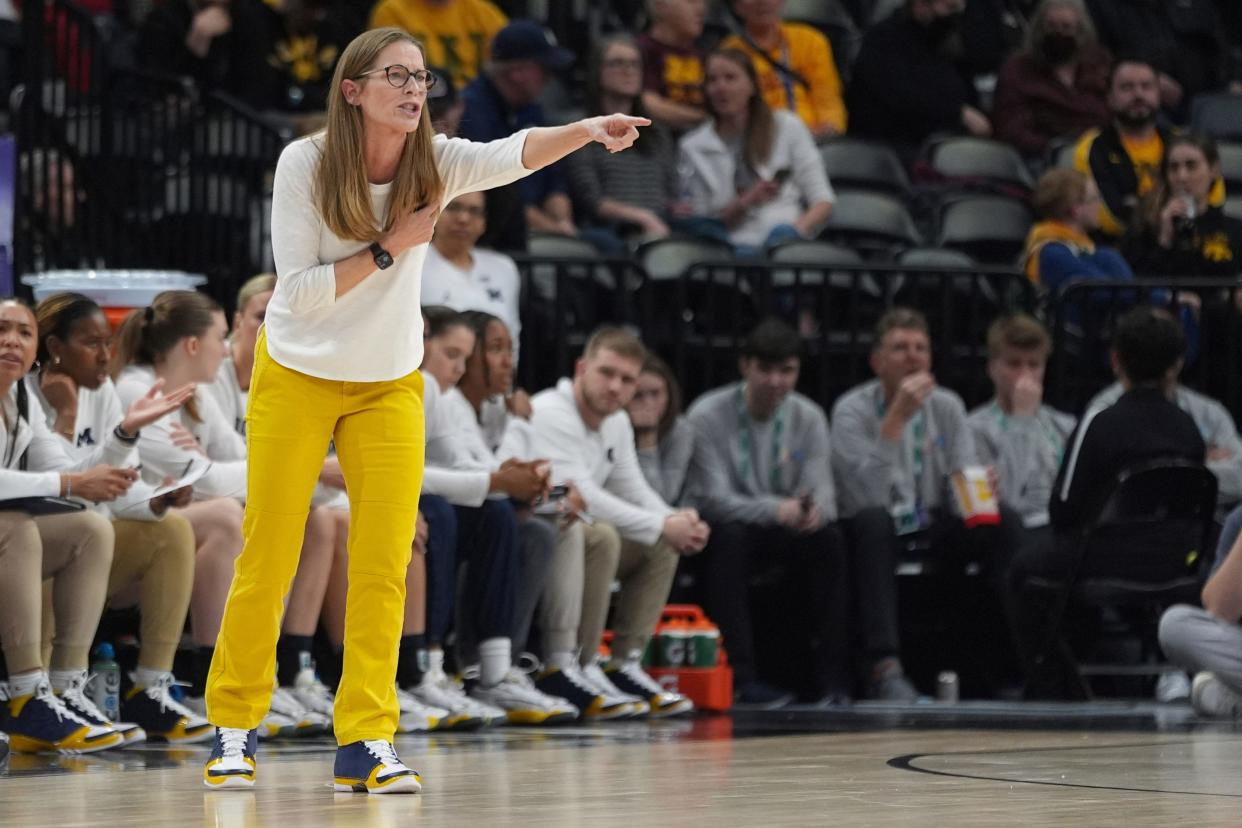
x: 570, y: 684
x: 162, y: 716
x: 630, y: 678
x: 373, y: 767
x: 232, y: 763
x: 38, y: 721
x: 70, y: 687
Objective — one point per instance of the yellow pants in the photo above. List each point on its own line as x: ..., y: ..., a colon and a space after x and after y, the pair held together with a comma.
x: 378, y: 429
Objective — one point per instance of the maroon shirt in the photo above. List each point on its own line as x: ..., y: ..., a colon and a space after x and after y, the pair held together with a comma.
x: 672, y: 72
x: 1032, y: 107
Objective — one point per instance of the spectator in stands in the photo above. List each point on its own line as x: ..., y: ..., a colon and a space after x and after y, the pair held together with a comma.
x: 327, y: 524
x: 1143, y: 424
x: 896, y: 441
x: 444, y: 104
x: 673, y: 63
x: 461, y: 276
x: 762, y: 474
x: 1055, y: 86
x: 1184, y: 39
x: 305, y: 38
x: 154, y: 544
x: 1124, y: 156
x: 1015, y: 432
x: 906, y: 82
x: 628, y: 194
x: 794, y: 63
x: 503, y: 100
x: 1208, y: 641
x: 1059, y: 247
x: 221, y: 44
x: 753, y: 174
x: 73, y: 549
x: 455, y: 33
x: 663, y: 438
x: 1185, y: 231
x: 581, y: 426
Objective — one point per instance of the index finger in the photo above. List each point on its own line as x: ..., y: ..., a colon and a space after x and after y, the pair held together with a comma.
x: 634, y: 120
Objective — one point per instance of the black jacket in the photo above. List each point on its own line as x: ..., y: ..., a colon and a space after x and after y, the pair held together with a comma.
x: 1100, y: 154
x: 1142, y: 425
x: 1208, y: 246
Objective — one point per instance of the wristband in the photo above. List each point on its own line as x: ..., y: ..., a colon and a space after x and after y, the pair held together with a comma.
x: 124, y: 437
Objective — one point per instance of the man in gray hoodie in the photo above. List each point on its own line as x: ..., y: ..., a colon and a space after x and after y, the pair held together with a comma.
x: 896, y: 441
x: 761, y: 477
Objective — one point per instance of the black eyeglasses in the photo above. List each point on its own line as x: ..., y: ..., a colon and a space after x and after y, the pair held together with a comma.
x: 399, y: 76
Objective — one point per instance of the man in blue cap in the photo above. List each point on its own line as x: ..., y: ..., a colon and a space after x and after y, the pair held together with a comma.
x: 503, y: 100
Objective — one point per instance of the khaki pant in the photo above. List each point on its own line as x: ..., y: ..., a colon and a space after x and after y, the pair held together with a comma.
x: 75, y: 550
x: 159, y: 556
x: 575, y: 601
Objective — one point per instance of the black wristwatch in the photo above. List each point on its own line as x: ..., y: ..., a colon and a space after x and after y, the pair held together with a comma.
x: 383, y: 259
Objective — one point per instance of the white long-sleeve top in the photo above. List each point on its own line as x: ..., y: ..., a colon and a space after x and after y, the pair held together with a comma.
x: 603, y: 464
x: 492, y: 284
x: 99, y: 413
x: 375, y: 331
x: 450, y: 470
x: 46, y: 454
x: 214, y: 431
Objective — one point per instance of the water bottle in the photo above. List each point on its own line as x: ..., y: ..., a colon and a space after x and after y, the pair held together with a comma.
x: 106, y: 688
x: 946, y: 687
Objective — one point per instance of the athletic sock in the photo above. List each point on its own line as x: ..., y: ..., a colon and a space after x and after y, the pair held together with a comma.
x: 289, y: 650
x: 495, y: 658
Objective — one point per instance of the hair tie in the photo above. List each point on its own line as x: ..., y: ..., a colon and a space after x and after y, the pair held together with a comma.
x: 148, y: 314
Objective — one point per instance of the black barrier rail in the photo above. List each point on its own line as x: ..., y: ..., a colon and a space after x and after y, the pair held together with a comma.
x: 698, y: 319
x: 1082, y: 316
x: 563, y: 301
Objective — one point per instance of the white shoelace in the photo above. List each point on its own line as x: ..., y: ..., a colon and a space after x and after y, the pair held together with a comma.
x: 161, y: 693
x: 635, y: 673
x: 74, y: 696
x: 384, y: 752
x: 286, y: 704
x: 233, y: 742
x: 44, y: 694
x: 575, y: 676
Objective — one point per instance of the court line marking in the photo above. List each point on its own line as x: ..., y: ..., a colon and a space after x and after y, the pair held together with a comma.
x: 906, y: 763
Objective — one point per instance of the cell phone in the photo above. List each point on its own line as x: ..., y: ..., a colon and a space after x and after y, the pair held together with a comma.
x: 781, y: 175
x: 807, y: 502
x: 558, y: 493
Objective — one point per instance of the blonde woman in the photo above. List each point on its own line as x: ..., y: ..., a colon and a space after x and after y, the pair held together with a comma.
x: 353, y: 210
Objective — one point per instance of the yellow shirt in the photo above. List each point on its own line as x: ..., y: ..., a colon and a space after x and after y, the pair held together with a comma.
x: 457, y: 35
x: 807, y: 52
x: 1146, y: 154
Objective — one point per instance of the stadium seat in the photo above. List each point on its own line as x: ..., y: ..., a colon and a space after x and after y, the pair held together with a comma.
x: 934, y: 257
x: 981, y: 160
x: 864, y: 165
x: 1231, y: 166
x: 871, y: 222
x: 1218, y: 115
x: 990, y: 229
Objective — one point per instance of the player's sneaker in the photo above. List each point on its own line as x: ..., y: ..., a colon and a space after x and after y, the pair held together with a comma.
x: 1208, y: 695
x: 570, y: 684
x: 438, y: 690
x: 312, y: 693
x: 161, y: 715
x: 595, y: 674
x: 373, y: 767
x: 305, y: 722
x: 39, y: 721
x: 232, y: 763
x: 417, y: 717
x: 631, y: 678
x: 4, y: 752
x: 521, y: 702
x: 73, y: 696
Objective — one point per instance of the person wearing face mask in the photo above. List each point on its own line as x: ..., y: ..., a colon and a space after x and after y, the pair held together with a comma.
x: 155, y: 545
x: 1055, y: 86
x: 762, y: 475
x: 907, y: 82
x: 73, y: 549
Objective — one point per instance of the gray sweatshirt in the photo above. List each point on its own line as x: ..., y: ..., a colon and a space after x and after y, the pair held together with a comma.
x: 1026, y: 452
x: 667, y: 466
x: 907, y: 477
x: 743, y: 469
x: 1216, y: 427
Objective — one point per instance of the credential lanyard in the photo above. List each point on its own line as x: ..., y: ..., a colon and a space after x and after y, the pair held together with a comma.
x: 745, y: 441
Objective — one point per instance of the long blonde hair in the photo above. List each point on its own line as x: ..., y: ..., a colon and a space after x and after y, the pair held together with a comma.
x: 341, y: 192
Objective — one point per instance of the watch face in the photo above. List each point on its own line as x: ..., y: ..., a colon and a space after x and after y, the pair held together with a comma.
x: 384, y: 260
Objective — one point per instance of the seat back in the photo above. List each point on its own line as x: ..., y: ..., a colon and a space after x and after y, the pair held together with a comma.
x: 982, y: 159
x: 871, y: 221
x: 669, y: 258
x: 989, y: 229
x: 1218, y: 115
x: 864, y: 165
x: 1231, y: 165
x: 1157, y: 492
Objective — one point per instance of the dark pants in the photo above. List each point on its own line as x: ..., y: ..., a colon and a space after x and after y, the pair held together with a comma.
x: 875, y: 548
x: 487, y: 546
x: 537, y: 541
x: 810, y: 564
x: 441, y: 563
